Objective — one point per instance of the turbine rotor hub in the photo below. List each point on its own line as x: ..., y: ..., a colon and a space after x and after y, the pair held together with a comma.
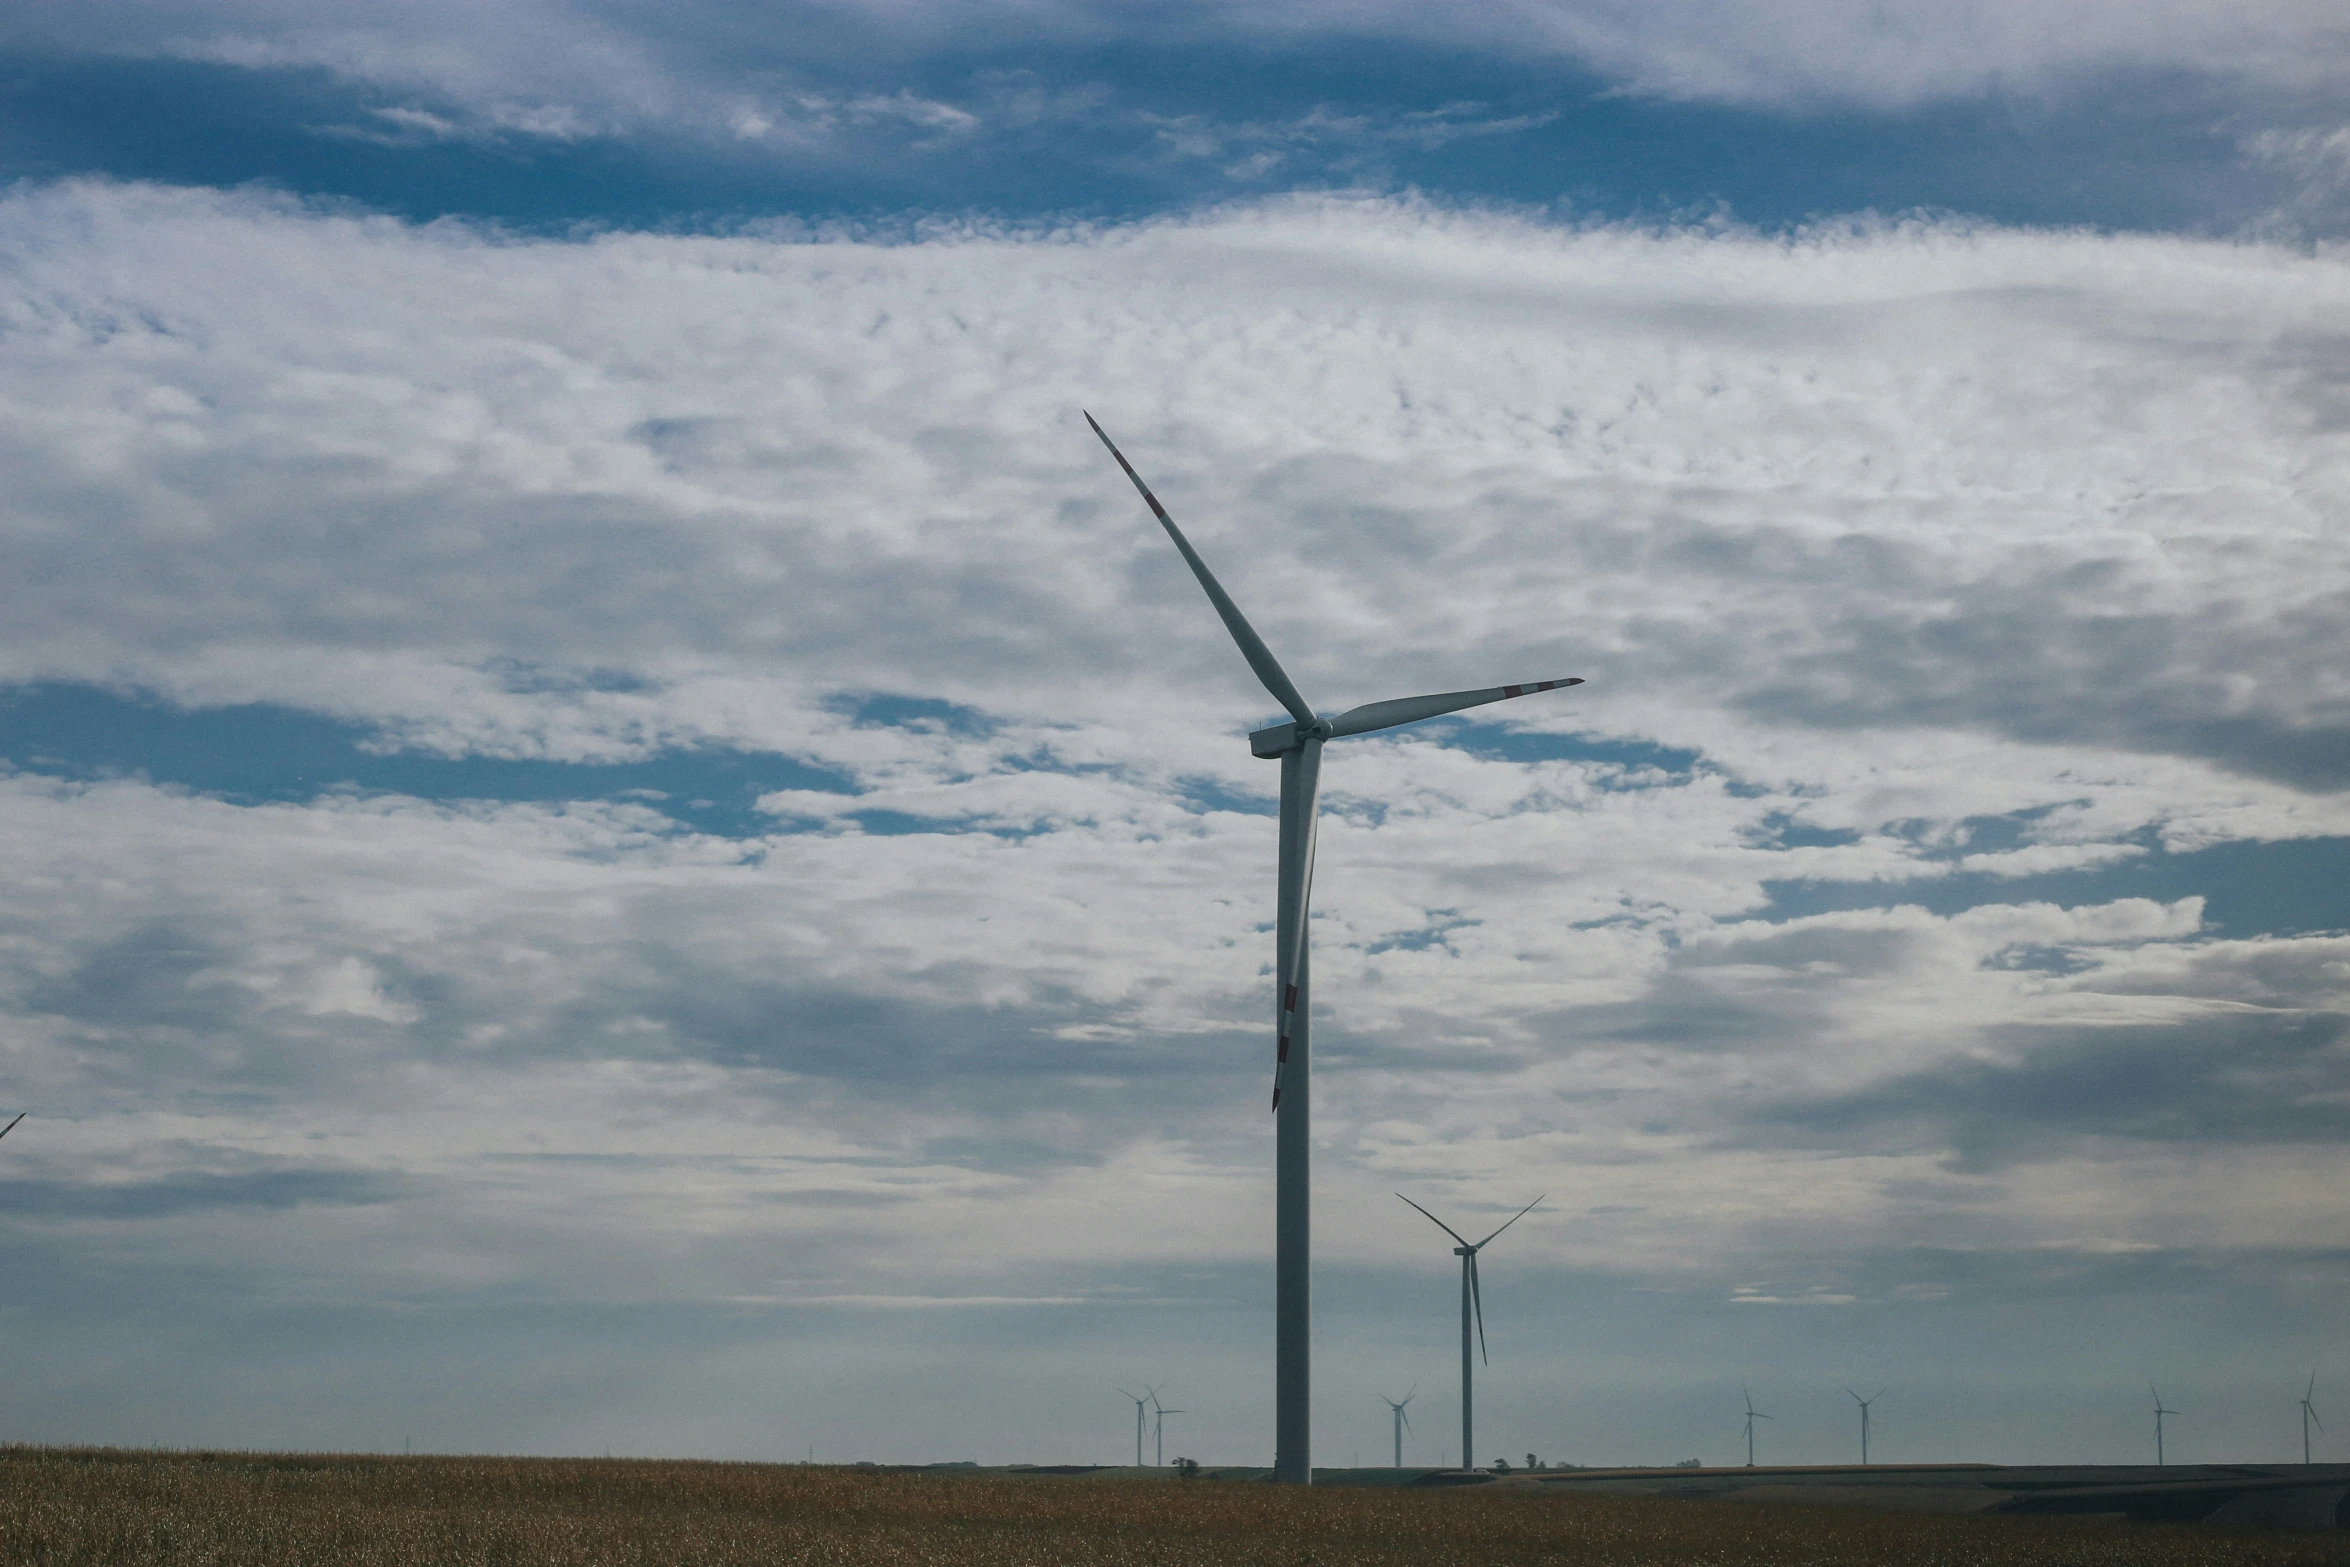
x: 1278, y: 740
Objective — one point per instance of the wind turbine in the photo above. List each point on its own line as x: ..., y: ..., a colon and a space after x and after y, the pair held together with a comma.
x: 2308, y: 1415
x: 1149, y: 1395
x: 1403, y: 1422
x: 1752, y: 1415
x: 1159, y: 1427
x: 1864, y: 1422
x: 1298, y: 745
x: 2159, y: 1412
x: 1470, y: 1300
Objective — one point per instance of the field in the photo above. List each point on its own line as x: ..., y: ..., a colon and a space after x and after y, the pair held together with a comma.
x: 114, y: 1508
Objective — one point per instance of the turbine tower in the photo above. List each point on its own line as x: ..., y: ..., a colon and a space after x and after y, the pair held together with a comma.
x: 1864, y: 1422
x: 1403, y: 1422
x: 2308, y: 1412
x: 2159, y: 1412
x: 1752, y: 1415
x: 1298, y: 746
x: 1149, y: 1395
x: 1470, y: 1300
x: 1159, y: 1416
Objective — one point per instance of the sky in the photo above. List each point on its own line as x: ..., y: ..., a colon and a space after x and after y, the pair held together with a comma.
x: 622, y: 836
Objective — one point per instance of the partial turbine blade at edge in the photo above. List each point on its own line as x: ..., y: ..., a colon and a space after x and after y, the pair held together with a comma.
x: 1411, y: 709
x: 21, y: 1114
x: 1252, y: 647
x: 1432, y: 1219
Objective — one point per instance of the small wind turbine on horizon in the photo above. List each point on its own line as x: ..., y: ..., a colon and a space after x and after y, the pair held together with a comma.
x: 2159, y: 1412
x: 1471, y: 1299
x: 1298, y: 745
x: 1864, y: 1421
x: 1403, y: 1422
x: 1159, y: 1414
x: 2309, y: 1415
x: 1752, y: 1415
x: 1149, y: 1395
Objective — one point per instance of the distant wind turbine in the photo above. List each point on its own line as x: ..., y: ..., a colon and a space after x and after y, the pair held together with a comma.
x: 1752, y: 1415
x: 1159, y: 1416
x: 1864, y: 1421
x: 2159, y: 1412
x: 1298, y: 745
x: 1149, y: 1395
x: 2309, y: 1415
x: 1471, y: 1299
x: 1403, y: 1422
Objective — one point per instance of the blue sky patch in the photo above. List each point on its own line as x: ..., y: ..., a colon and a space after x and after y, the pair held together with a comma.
x: 260, y: 752
x: 2286, y: 888
x: 1070, y: 125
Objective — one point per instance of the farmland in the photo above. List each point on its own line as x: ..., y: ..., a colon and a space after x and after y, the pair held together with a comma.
x: 118, y: 1508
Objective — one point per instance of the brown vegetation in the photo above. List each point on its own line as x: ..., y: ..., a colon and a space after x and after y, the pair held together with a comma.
x: 61, y: 1508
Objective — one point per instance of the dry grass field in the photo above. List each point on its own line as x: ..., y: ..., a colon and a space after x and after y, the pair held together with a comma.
x: 80, y: 1508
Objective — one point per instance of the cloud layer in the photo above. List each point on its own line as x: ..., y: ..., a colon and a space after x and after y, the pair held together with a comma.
x: 1944, y: 576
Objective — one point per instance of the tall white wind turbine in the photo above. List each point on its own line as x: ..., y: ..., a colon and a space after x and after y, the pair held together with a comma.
x: 1864, y: 1420
x: 2308, y: 1410
x: 1149, y: 1395
x: 1471, y: 1301
x: 1159, y: 1414
x: 1752, y: 1415
x: 1298, y: 746
x: 1403, y: 1422
x: 2159, y: 1412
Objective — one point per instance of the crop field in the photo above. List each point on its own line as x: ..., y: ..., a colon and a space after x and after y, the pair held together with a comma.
x: 115, y: 1508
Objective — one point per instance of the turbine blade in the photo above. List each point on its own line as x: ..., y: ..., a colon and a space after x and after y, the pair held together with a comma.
x: 2305, y: 1392
x: 1514, y: 1218
x: 1301, y: 781
x: 1252, y: 647
x: 1406, y: 1419
x: 1477, y: 1299
x: 1411, y: 709
x: 21, y: 1114
x: 1432, y: 1219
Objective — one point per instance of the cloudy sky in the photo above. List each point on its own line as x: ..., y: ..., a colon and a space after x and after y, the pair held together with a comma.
x: 621, y: 835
